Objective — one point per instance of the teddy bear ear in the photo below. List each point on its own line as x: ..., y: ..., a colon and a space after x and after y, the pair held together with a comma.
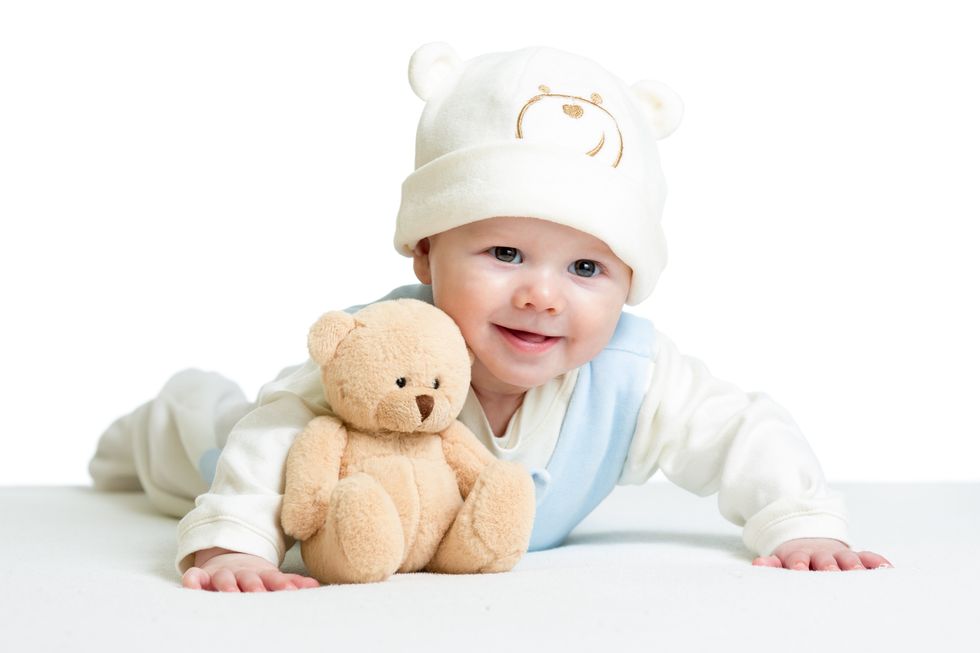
x: 661, y: 104
x: 327, y: 333
x: 431, y: 66
x: 469, y: 352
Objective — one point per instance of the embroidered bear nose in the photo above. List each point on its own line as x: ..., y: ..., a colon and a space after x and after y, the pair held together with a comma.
x: 425, y: 404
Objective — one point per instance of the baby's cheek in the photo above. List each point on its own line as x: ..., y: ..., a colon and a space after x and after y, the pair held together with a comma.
x: 592, y: 341
x: 451, y: 300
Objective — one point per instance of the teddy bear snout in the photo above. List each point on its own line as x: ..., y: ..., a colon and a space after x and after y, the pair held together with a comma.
x: 425, y: 404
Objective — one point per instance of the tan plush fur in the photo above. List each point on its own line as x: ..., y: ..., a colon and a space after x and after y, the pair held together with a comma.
x: 395, y: 482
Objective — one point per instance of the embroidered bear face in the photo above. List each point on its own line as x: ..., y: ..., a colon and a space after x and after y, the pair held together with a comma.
x: 581, y: 124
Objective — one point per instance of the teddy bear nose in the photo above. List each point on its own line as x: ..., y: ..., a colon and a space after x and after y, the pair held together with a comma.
x: 425, y: 404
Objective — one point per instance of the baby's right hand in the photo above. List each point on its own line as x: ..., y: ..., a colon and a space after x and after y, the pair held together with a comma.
x: 221, y: 570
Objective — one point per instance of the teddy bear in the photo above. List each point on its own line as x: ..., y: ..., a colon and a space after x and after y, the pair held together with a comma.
x: 392, y: 481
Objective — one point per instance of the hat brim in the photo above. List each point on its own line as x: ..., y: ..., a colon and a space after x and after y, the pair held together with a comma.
x: 537, y: 180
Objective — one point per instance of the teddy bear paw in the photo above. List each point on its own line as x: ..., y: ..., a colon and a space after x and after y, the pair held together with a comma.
x: 362, y: 540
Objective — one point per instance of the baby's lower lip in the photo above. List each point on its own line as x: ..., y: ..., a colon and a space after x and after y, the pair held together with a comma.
x: 526, y: 341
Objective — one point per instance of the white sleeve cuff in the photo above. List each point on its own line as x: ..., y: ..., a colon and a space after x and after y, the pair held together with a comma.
x: 227, y: 533
x: 791, y: 518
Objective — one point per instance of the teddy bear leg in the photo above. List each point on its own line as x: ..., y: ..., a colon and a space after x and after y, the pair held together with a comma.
x: 361, y: 540
x: 493, y: 528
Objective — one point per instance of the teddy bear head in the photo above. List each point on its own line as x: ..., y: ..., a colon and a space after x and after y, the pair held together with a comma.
x: 397, y: 366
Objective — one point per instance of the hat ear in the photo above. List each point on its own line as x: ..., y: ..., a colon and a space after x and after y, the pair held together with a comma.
x: 661, y: 104
x: 432, y: 66
x: 327, y: 333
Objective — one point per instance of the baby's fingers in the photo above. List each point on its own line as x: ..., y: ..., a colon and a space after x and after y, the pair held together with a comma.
x: 303, y: 582
x: 798, y: 560
x: 196, y: 578
x: 873, y: 560
x: 224, y: 580
x: 276, y: 581
x: 249, y: 581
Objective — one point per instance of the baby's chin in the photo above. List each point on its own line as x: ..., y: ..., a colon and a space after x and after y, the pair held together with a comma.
x: 512, y: 380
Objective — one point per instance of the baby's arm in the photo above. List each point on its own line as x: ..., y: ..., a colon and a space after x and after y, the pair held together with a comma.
x: 232, y: 540
x: 708, y: 436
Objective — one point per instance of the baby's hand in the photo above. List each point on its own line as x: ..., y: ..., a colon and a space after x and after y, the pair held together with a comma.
x: 221, y: 570
x: 820, y: 554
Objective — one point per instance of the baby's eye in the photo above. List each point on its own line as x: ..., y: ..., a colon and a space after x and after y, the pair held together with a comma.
x: 584, y: 268
x: 506, y: 254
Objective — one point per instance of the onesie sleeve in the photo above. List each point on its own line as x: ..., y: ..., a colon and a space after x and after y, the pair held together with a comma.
x: 708, y: 436
x: 241, y: 510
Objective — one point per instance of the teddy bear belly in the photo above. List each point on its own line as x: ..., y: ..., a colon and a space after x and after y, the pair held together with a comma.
x: 426, y: 496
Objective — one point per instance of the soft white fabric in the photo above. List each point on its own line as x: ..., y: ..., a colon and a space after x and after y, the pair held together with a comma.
x: 653, y: 564
x: 539, y: 133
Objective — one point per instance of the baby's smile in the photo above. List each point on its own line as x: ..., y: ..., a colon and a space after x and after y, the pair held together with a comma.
x: 527, y: 341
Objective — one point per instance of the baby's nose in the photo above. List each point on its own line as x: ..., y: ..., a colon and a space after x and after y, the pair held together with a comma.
x: 425, y: 404
x: 539, y: 294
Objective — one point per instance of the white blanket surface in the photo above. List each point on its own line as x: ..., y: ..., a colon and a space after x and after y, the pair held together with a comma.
x: 653, y: 568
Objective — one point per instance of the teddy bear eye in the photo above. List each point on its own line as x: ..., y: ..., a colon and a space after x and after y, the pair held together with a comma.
x: 400, y: 382
x: 435, y: 384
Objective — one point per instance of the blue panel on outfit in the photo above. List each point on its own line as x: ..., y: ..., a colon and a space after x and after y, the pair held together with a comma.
x: 595, y: 434
x: 207, y: 465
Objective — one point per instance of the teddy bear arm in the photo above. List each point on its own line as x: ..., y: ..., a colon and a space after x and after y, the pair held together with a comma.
x: 312, y: 472
x: 465, y: 454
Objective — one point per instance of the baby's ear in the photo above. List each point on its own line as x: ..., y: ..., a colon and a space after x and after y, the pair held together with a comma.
x: 420, y: 262
x: 432, y: 66
x: 662, y: 106
x: 327, y: 333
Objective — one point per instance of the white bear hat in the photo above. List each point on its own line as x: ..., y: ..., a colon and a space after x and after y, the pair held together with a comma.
x: 539, y: 133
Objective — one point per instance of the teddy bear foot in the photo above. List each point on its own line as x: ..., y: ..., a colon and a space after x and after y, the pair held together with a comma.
x: 493, y: 528
x: 361, y: 540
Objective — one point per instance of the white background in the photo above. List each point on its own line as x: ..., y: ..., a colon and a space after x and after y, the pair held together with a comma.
x: 193, y: 183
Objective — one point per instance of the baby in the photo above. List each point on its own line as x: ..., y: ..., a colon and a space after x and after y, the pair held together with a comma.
x: 532, y: 217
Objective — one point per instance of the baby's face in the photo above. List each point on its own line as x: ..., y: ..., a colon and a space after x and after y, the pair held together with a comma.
x: 532, y: 298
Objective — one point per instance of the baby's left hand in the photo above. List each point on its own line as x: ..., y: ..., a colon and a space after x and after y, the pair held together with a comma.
x: 820, y: 554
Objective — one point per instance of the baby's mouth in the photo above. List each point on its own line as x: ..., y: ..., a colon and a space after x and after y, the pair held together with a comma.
x: 527, y: 336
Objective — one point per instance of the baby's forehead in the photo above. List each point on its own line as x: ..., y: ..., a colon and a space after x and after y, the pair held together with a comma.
x: 528, y: 229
